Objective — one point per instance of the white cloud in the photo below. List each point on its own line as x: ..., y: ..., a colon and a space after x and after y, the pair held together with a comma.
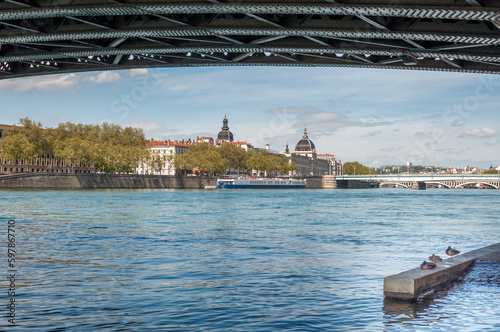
x: 321, y: 122
x: 146, y: 125
x: 479, y: 133
x: 458, y: 123
x: 373, y: 133
x: 258, y: 84
x: 104, y: 77
x: 138, y: 72
x: 492, y: 142
x: 40, y: 83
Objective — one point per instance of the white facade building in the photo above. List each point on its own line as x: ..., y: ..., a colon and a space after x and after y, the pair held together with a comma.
x: 163, y: 155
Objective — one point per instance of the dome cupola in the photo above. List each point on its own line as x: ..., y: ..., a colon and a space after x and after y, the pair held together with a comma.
x: 225, y: 135
x: 305, y: 144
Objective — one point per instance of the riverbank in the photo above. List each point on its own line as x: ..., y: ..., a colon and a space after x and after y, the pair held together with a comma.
x: 118, y: 181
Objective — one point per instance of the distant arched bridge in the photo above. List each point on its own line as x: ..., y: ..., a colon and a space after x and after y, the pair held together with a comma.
x: 442, y: 181
x: 63, y: 36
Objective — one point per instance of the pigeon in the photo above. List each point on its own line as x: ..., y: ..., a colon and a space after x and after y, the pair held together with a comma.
x: 451, y: 252
x: 427, y: 265
x: 435, y: 259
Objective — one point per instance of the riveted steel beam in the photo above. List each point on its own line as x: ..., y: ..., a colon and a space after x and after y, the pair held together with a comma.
x: 250, y: 49
x: 479, y: 69
x: 206, y: 32
x: 399, y: 10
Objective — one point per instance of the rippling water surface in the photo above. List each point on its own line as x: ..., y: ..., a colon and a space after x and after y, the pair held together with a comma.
x: 304, y: 260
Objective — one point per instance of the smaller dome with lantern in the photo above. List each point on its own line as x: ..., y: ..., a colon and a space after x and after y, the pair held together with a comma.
x: 305, y: 144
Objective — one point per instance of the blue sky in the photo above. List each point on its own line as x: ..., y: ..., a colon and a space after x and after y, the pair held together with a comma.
x: 374, y: 116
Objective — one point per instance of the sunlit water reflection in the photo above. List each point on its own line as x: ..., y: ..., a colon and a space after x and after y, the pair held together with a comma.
x: 244, y: 260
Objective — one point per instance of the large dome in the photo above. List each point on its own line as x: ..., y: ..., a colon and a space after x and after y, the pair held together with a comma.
x: 305, y: 144
x: 225, y: 134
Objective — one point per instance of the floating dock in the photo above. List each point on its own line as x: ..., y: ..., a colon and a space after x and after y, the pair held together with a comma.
x: 413, y: 284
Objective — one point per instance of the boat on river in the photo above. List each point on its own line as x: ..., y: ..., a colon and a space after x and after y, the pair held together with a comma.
x: 260, y: 183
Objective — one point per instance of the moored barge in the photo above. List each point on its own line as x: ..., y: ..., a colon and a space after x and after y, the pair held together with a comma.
x: 260, y: 183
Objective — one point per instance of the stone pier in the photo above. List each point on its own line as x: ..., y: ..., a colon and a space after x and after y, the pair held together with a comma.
x: 413, y: 284
x: 419, y: 185
x: 329, y: 182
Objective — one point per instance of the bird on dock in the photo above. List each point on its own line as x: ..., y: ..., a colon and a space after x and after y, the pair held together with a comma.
x: 435, y: 258
x: 427, y: 265
x: 451, y: 252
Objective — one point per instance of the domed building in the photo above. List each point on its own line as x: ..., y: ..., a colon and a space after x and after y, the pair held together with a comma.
x: 224, y: 135
x: 309, y: 162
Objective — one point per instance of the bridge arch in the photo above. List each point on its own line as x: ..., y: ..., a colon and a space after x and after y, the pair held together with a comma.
x: 443, y: 184
x: 394, y: 183
x: 476, y: 183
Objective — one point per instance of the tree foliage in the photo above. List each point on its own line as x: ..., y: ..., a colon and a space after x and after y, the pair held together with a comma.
x: 16, y: 147
x: 204, y: 156
x: 109, y: 147
x: 355, y: 168
x: 230, y: 158
x: 157, y: 160
x: 25, y: 141
x: 262, y: 160
x: 233, y: 157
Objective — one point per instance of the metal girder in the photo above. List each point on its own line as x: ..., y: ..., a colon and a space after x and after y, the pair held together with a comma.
x: 284, y: 8
x: 252, y: 49
x: 453, y: 35
x: 491, y: 39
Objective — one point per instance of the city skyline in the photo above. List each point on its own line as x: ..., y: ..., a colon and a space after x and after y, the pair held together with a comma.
x: 376, y: 117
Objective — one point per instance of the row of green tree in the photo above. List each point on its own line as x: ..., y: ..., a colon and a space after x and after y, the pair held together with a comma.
x: 355, y: 168
x: 233, y: 159
x: 108, y: 147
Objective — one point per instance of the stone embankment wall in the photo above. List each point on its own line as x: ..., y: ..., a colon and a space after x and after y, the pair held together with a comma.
x: 314, y: 182
x: 105, y: 181
x: 354, y: 184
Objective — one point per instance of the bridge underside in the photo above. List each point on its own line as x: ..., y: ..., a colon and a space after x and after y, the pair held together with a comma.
x: 52, y: 37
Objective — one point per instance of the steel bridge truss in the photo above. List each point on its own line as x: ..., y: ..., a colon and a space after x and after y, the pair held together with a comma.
x: 53, y: 37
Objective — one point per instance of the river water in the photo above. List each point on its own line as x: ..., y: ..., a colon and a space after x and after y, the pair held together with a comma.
x: 255, y: 260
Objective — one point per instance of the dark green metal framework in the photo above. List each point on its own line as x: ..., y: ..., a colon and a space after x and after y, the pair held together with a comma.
x: 54, y: 37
